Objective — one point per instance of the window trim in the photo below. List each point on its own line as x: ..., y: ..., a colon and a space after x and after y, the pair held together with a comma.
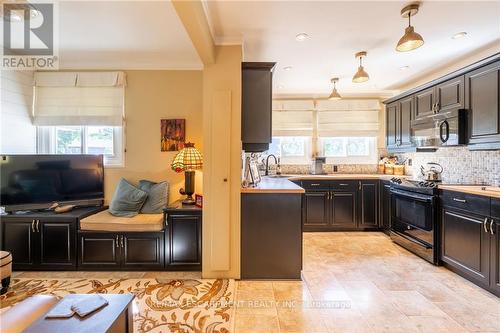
x: 46, y: 144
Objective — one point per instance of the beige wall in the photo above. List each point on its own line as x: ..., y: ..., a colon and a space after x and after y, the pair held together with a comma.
x: 221, y: 206
x: 151, y: 95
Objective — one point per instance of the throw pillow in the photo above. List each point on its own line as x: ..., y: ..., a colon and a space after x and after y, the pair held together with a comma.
x: 157, y: 196
x: 127, y: 200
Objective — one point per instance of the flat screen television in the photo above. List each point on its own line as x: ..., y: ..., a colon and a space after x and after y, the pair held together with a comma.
x: 29, y: 182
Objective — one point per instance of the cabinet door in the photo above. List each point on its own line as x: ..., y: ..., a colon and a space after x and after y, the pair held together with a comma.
x: 466, y: 245
x: 385, y: 207
x: 406, y: 111
x: 316, y: 210
x: 392, y: 124
x: 482, y: 101
x: 368, y: 217
x: 256, y: 107
x: 99, y: 251
x: 57, y: 245
x: 424, y: 102
x: 142, y: 250
x: 495, y: 257
x: 450, y: 95
x: 343, y: 210
x: 18, y: 237
x: 183, y: 242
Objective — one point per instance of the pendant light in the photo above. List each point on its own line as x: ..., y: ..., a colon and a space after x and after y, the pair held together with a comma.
x: 361, y: 75
x: 410, y: 40
x: 334, y: 96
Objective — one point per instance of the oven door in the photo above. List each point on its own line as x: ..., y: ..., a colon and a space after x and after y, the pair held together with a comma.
x: 413, y: 215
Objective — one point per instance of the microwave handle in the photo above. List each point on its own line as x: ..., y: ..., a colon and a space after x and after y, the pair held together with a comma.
x: 445, y: 126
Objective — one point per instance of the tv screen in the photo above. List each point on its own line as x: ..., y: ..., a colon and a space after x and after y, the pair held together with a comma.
x: 37, y: 181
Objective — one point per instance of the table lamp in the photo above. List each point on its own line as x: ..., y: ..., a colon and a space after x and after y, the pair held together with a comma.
x: 188, y: 160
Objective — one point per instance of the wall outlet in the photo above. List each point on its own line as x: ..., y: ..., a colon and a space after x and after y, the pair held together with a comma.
x: 409, y: 162
x: 335, y: 168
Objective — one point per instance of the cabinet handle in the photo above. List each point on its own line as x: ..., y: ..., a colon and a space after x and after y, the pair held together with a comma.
x: 121, y: 241
x: 485, y: 226
x: 314, y: 184
x: 37, y: 225
x: 491, y: 227
x: 32, y: 225
x: 117, y: 242
x: 359, y: 186
x: 343, y: 184
x: 459, y: 200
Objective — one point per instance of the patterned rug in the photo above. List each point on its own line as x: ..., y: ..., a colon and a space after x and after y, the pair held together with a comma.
x: 201, y: 306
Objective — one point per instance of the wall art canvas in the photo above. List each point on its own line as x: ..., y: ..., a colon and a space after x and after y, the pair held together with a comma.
x: 173, y: 134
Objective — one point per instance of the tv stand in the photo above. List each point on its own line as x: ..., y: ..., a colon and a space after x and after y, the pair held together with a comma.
x: 43, y: 240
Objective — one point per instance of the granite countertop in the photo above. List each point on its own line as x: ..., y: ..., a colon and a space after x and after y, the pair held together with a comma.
x: 283, y: 183
x: 488, y: 191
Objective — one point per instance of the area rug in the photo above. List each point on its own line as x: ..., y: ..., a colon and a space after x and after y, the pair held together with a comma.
x: 188, y: 305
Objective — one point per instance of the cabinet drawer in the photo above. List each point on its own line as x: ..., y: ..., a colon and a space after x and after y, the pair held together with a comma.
x: 344, y: 185
x: 495, y: 207
x: 472, y: 203
x: 315, y: 184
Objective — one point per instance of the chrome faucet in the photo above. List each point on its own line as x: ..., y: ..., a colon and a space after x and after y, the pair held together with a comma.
x: 267, y: 163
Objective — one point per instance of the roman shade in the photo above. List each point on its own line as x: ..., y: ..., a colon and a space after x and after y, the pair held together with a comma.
x: 348, y: 118
x: 79, y: 98
x: 292, y: 123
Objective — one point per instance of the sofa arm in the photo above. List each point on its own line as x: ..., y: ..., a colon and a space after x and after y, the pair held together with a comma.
x: 24, y: 313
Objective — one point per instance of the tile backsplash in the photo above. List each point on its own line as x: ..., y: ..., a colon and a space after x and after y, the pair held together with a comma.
x: 328, y: 168
x: 460, y: 165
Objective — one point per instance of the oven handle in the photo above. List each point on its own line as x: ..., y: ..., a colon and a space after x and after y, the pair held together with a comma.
x: 414, y: 196
x: 412, y: 240
x: 446, y: 127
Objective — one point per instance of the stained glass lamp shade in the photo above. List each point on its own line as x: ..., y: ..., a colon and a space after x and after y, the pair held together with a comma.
x: 188, y: 160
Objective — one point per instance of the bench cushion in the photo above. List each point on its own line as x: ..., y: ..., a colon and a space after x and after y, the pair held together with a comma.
x: 104, y: 221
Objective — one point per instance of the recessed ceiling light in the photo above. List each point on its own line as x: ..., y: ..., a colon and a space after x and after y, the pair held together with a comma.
x: 403, y: 68
x: 280, y: 86
x: 287, y: 68
x: 301, y: 37
x: 459, y: 35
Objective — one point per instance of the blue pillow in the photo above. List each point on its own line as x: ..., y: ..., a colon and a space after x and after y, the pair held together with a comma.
x: 157, y: 196
x: 127, y: 200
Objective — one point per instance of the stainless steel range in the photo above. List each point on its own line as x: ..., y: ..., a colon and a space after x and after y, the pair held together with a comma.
x: 414, y: 217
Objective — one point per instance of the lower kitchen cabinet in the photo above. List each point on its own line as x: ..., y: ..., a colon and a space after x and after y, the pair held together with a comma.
x: 341, y: 205
x: 470, y: 242
x: 114, y: 251
x: 368, y: 194
x: 183, y: 229
x: 385, y: 206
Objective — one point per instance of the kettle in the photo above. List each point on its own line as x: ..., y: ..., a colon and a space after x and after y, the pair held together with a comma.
x: 433, y: 173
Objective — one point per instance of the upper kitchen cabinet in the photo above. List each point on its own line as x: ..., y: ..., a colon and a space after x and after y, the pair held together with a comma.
x: 441, y: 98
x: 399, y: 115
x: 256, y: 109
x: 425, y: 103
x: 482, y: 101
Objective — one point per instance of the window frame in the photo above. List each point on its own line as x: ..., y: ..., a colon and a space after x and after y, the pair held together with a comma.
x: 371, y: 158
x: 46, y: 143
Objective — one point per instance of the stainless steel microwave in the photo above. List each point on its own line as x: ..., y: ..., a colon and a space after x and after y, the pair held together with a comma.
x: 440, y: 130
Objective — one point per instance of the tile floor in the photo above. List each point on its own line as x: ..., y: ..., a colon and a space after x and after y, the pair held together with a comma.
x: 352, y: 282
x: 362, y: 282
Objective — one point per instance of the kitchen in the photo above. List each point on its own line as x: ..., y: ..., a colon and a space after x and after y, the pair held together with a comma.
x: 432, y: 185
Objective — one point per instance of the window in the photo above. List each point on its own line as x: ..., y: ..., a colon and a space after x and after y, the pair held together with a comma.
x: 348, y: 150
x: 292, y: 149
x: 106, y: 140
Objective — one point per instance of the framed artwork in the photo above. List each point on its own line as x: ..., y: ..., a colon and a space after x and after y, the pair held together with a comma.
x: 198, y: 200
x: 254, y: 173
x: 173, y: 134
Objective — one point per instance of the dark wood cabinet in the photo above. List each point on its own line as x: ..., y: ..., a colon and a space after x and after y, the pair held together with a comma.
x: 399, y: 116
x: 115, y: 251
x: 316, y: 209
x: 368, y: 193
x: 332, y: 205
x: 465, y: 244
x: 57, y: 244
x: 183, y: 237
x: 425, y: 103
x: 482, y: 94
x: 470, y: 244
x: 18, y: 238
x: 385, y: 206
x: 450, y: 95
x: 256, y: 109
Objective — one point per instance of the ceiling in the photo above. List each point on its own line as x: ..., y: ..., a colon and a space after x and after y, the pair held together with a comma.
x: 338, y: 30
x: 123, y: 35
